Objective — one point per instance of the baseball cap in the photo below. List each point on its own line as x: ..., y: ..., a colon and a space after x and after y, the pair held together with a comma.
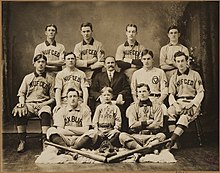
x: 39, y: 56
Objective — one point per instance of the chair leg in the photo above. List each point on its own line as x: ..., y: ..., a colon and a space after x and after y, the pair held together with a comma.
x: 199, y: 131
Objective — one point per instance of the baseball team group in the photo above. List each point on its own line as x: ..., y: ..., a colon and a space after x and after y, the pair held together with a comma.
x: 85, y: 97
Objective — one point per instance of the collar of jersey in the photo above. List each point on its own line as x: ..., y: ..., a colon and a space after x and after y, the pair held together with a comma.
x: 90, y: 43
x: 48, y: 44
x: 127, y: 44
x: 43, y: 74
x: 185, y: 72
x: 145, y: 102
x: 178, y: 44
x: 72, y: 109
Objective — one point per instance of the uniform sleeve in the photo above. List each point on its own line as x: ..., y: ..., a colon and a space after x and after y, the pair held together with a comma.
x: 58, y: 118
x: 96, y: 115
x: 119, y: 53
x: 23, y: 88
x: 62, y: 51
x: 134, y: 84
x: 172, y: 87
x: 199, y: 90
x: 77, y: 52
x: 84, y: 82
x: 52, y: 83
x: 58, y: 81
x: 117, y: 118
x: 163, y: 56
x: 158, y: 115
x: 86, y: 121
x: 164, y: 83
x: 186, y: 51
x: 131, y: 115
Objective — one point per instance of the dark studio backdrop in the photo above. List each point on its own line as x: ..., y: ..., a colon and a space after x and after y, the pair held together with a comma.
x: 24, y: 23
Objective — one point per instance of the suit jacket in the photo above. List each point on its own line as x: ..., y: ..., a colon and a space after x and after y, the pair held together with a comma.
x: 119, y: 85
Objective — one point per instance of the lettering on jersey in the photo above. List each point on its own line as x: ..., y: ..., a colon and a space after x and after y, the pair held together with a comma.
x: 51, y: 52
x: 39, y: 83
x: 73, y: 119
x: 155, y: 80
x: 185, y: 81
x: 75, y: 78
x: 89, y: 51
x: 132, y: 52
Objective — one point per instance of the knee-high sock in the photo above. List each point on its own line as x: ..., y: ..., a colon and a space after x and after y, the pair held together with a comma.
x: 132, y: 145
x: 57, y: 139
x: 22, y: 132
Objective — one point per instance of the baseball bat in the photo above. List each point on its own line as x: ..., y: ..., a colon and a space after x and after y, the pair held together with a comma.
x: 83, y: 153
x: 146, y: 149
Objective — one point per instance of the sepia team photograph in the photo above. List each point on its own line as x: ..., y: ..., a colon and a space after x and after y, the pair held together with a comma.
x: 110, y: 86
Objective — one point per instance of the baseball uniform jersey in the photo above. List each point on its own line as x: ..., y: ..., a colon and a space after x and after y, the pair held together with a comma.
x: 53, y: 52
x: 131, y: 52
x: 155, y: 78
x: 84, y: 52
x: 167, y: 54
x: 66, y: 79
x: 36, y: 88
x: 107, y: 116
x: 152, y: 113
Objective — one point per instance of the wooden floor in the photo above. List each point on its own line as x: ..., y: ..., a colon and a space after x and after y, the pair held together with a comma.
x: 190, y: 157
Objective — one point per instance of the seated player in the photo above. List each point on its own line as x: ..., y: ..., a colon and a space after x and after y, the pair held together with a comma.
x: 70, y: 77
x: 106, y: 121
x: 145, y: 121
x: 36, y: 94
x: 70, y: 121
x: 186, y: 94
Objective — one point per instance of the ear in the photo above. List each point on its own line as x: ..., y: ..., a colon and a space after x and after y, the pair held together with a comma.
x: 179, y: 34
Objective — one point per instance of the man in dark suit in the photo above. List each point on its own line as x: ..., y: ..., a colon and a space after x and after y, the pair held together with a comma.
x: 118, y: 82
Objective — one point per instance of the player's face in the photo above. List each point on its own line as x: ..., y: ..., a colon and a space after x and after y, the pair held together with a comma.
x: 40, y: 65
x: 110, y: 64
x: 131, y: 33
x: 50, y: 32
x: 107, y: 96
x: 181, y: 63
x: 174, y: 35
x: 70, y: 60
x: 147, y: 61
x: 143, y: 93
x: 86, y: 33
x: 73, y: 98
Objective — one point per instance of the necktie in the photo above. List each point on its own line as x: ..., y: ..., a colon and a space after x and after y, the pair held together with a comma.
x: 110, y: 77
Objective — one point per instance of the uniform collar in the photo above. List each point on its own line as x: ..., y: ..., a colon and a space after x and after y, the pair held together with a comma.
x: 48, y: 44
x: 127, y: 44
x: 37, y: 75
x: 170, y: 44
x: 90, y: 43
x: 70, y: 109
x: 145, y: 103
x: 185, y: 72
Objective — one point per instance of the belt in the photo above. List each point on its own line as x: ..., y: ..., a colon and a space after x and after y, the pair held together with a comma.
x: 155, y: 95
x: 188, y: 98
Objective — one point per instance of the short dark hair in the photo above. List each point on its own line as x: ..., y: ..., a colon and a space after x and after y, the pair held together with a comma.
x: 72, y: 89
x: 85, y: 24
x: 39, y: 56
x: 173, y: 27
x: 49, y: 25
x: 146, y: 51
x: 131, y: 25
x: 179, y: 53
x: 69, y: 53
x: 142, y: 85
x: 108, y: 89
x: 110, y: 57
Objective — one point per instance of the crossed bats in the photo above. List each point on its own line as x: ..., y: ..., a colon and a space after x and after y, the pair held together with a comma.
x: 110, y: 158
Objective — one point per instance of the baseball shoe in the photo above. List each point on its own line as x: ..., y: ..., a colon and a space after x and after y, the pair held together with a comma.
x: 106, y: 146
x: 21, y: 147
